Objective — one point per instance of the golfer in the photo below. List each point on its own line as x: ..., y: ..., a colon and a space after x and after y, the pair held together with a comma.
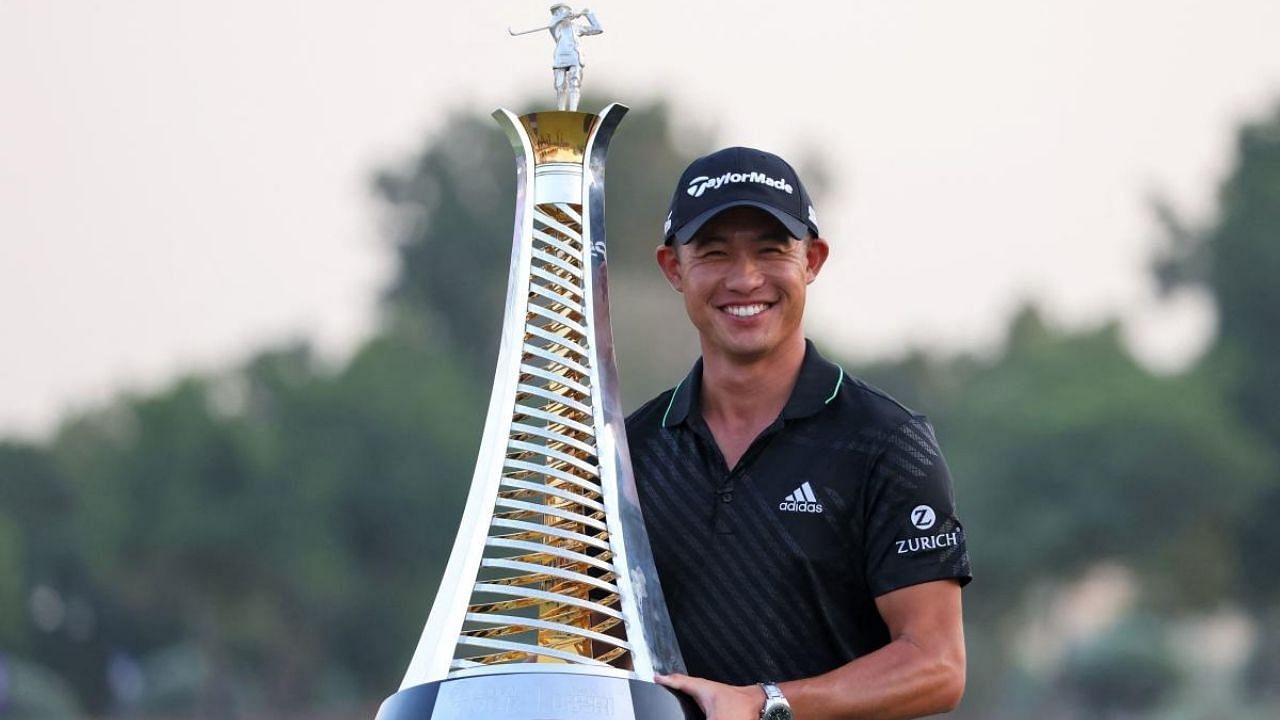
x: 802, y: 522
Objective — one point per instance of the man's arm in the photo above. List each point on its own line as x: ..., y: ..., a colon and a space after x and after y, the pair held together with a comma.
x: 920, y: 672
x: 593, y: 27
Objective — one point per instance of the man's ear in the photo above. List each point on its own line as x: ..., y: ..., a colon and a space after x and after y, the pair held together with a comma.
x: 815, y: 256
x: 669, y: 262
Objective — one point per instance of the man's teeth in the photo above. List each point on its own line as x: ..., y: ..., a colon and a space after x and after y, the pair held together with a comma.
x: 746, y: 310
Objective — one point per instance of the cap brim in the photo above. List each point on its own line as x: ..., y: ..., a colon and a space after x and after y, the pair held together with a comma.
x: 795, y: 226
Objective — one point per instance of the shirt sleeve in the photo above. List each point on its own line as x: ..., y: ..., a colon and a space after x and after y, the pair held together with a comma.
x: 912, y: 534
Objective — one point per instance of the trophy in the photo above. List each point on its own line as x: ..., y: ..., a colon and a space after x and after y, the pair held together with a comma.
x: 550, y: 607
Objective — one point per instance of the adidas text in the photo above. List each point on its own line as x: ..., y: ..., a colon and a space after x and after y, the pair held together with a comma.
x: 804, y: 507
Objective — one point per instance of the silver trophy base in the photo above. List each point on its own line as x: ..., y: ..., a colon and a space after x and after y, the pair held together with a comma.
x: 538, y: 696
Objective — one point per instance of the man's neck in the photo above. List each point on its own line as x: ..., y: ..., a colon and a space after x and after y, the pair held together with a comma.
x: 749, y: 394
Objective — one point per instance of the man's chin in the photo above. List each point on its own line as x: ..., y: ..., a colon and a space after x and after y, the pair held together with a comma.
x: 743, y: 350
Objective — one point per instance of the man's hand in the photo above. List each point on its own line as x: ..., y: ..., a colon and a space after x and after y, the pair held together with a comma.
x: 717, y: 700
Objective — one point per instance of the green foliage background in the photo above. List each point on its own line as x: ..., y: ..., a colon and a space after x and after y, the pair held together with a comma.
x: 267, y: 540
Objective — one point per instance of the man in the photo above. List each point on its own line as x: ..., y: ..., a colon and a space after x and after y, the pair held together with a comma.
x: 802, y: 522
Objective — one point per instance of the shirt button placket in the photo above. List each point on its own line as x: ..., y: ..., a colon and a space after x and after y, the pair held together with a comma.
x: 724, y: 510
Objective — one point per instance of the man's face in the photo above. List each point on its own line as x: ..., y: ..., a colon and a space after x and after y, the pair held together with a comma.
x: 744, y: 278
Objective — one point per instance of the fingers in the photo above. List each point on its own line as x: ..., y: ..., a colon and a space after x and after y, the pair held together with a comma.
x: 701, y: 690
x: 689, y: 686
x: 675, y: 681
x: 697, y: 688
x: 717, y: 700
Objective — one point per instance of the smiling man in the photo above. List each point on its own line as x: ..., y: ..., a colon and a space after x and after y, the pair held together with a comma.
x: 802, y: 522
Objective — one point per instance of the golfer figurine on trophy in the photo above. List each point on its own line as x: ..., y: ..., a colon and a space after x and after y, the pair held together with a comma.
x: 567, y: 62
x: 550, y: 607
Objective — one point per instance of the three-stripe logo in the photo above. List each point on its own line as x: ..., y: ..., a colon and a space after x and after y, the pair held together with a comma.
x: 802, y: 500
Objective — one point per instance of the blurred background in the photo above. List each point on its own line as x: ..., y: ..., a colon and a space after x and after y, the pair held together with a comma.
x: 252, y: 266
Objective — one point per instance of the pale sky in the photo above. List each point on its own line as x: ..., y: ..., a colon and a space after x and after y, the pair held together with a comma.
x: 183, y: 182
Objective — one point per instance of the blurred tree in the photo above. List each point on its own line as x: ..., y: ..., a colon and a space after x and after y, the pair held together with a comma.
x: 382, y: 456
x: 282, y: 515
x: 12, y: 617
x: 165, y: 514
x: 1066, y: 452
x: 1236, y: 258
x: 16, y: 475
x: 31, y: 692
x: 35, y: 507
x: 1263, y: 667
x: 1122, y: 673
x: 49, y: 611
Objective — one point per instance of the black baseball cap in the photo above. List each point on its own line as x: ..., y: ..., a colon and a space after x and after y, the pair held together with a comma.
x: 733, y: 177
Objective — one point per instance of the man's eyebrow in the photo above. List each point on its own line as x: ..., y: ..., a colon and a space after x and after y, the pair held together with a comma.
x: 707, y: 237
x: 776, y: 235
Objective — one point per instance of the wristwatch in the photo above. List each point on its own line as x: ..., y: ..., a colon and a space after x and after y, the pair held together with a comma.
x: 776, y: 706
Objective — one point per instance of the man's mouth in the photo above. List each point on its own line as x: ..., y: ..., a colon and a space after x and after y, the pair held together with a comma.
x: 744, y: 311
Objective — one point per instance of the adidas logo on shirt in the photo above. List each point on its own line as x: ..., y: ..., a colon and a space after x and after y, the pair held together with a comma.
x: 802, y: 500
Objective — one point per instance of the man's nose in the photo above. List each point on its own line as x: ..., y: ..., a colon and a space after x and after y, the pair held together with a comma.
x: 744, y: 274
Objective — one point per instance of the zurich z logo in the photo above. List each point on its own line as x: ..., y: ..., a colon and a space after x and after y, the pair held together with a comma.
x: 923, y: 517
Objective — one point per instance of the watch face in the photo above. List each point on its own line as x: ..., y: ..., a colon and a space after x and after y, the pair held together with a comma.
x: 776, y: 712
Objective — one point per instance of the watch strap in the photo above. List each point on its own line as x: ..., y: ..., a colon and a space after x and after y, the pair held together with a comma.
x: 772, y: 691
x: 774, y: 702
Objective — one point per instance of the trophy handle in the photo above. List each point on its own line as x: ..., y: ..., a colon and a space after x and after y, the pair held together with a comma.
x: 436, y: 646
x: 654, y: 647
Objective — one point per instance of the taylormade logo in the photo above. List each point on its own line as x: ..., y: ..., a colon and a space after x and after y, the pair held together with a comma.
x: 702, y: 183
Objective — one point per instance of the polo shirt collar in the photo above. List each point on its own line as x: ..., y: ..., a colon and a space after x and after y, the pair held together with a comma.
x: 816, y: 386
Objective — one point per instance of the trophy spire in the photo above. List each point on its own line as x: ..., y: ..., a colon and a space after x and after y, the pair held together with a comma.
x: 567, y: 61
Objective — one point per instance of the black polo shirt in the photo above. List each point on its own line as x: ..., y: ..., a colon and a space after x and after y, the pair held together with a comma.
x: 771, y: 569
